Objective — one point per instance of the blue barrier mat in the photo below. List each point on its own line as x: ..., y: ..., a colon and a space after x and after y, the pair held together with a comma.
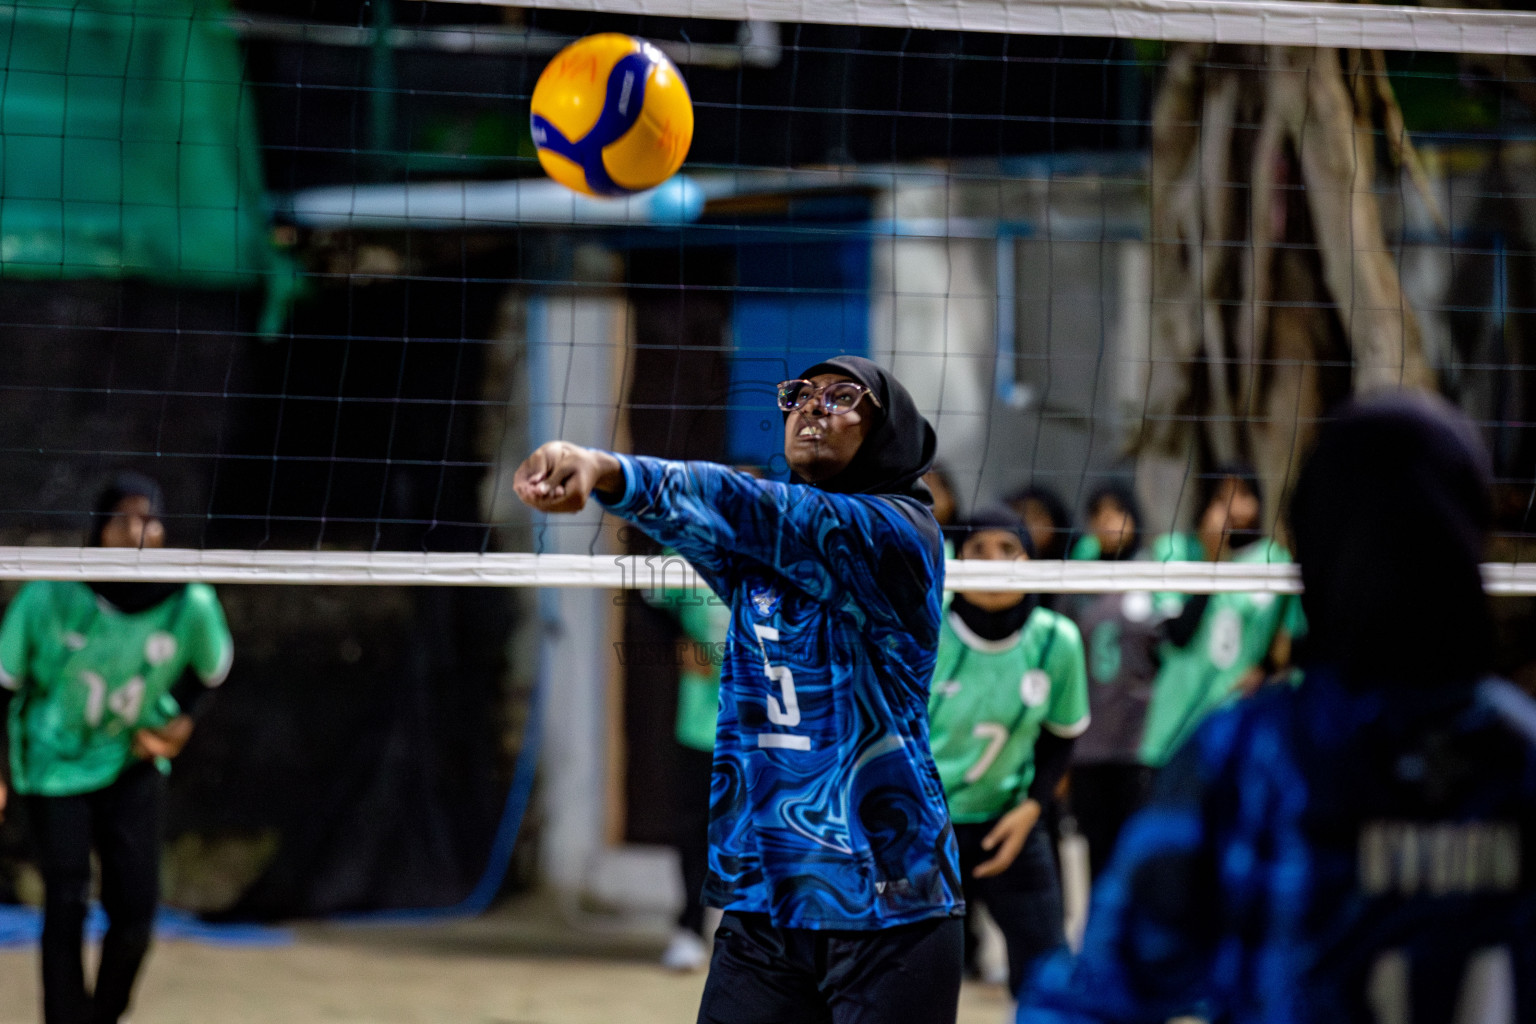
x: 21, y: 926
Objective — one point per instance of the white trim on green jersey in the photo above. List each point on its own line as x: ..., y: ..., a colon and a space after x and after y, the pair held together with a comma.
x: 215, y: 679
x: 1068, y: 732
x: 981, y: 644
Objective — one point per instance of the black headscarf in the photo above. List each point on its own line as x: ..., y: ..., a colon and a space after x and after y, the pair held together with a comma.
x: 128, y: 596
x: 1006, y: 621
x: 1246, y: 475
x: 1390, y: 517
x: 1125, y: 497
x: 1242, y: 472
x: 993, y: 517
x: 1056, y: 509
x: 898, y: 449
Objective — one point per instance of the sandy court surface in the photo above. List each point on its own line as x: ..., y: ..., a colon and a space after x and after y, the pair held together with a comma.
x: 497, y: 970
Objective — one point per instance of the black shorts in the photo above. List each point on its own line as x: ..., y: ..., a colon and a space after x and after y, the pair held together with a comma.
x: 760, y: 974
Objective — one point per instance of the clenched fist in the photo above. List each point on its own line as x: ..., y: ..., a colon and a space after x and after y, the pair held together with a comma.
x: 559, y: 476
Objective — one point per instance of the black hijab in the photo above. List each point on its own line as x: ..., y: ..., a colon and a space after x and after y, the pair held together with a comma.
x: 1125, y: 497
x: 994, y: 625
x: 1055, y: 509
x: 1245, y: 474
x: 1390, y: 516
x: 128, y: 595
x: 898, y: 449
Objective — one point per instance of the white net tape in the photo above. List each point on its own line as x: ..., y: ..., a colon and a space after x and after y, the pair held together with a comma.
x: 1267, y: 22
x: 403, y: 568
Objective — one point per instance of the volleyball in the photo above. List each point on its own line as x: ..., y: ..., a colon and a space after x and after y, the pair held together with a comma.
x: 611, y: 116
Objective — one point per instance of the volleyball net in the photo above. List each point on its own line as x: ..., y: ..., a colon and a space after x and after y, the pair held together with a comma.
x: 304, y: 269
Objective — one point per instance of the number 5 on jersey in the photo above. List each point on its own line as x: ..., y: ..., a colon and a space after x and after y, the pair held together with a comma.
x: 785, y: 708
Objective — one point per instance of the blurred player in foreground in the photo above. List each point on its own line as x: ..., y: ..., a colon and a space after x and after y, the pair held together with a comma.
x: 1359, y: 847
x: 106, y: 678
x: 831, y: 851
x: 1010, y: 694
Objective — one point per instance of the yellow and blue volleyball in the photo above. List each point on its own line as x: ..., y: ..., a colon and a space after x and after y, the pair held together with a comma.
x: 611, y: 116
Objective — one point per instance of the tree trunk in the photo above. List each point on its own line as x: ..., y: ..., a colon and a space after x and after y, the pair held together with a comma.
x: 1274, y: 289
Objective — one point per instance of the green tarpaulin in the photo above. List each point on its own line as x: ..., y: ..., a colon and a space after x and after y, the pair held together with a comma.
x: 128, y: 148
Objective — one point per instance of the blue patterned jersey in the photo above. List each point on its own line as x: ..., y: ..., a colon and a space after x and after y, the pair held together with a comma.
x: 826, y: 808
x: 1323, y: 854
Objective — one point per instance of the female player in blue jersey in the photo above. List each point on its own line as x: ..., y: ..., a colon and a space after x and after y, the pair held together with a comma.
x: 831, y: 851
x: 1358, y: 848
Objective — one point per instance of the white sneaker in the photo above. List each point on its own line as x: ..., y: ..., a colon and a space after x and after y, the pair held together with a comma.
x: 686, y: 952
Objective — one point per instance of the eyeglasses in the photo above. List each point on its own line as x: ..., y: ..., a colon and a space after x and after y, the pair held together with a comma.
x: 837, y: 398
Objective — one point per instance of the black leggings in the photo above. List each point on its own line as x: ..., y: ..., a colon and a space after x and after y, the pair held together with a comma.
x: 122, y: 823
x: 1025, y: 900
x: 1104, y: 796
x: 694, y: 768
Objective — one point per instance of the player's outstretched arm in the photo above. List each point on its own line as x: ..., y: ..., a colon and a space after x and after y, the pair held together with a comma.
x: 560, y: 476
x: 709, y: 513
x: 825, y: 543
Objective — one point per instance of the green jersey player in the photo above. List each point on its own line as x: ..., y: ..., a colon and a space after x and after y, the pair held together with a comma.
x: 1009, y: 695
x: 1216, y: 645
x: 105, y: 678
x: 703, y: 620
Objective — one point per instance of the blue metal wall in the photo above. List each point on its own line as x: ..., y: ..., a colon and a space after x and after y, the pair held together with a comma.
x: 796, y: 303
